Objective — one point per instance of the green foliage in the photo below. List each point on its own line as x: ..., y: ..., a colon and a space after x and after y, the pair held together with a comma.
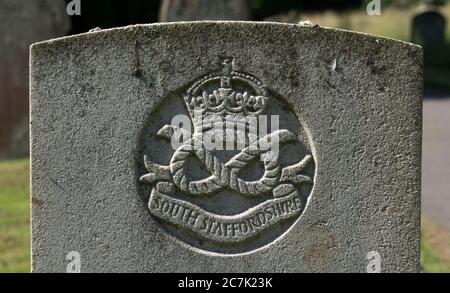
x: 429, y: 262
x: 14, y: 216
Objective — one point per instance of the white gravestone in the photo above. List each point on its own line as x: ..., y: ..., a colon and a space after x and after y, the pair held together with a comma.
x: 226, y: 147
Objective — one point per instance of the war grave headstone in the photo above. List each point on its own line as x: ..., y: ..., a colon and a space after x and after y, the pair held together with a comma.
x: 226, y: 147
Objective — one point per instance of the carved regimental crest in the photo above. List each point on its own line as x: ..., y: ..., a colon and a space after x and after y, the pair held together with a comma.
x: 230, y: 185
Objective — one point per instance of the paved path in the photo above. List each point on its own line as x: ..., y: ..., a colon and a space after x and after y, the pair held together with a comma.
x: 436, y: 158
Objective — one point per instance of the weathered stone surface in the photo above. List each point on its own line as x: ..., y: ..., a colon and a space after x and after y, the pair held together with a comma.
x: 107, y: 183
x: 22, y: 22
x: 184, y: 10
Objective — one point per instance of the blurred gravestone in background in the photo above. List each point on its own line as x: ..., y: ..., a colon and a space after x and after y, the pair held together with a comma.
x: 22, y: 22
x: 428, y: 26
x: 184, y: 10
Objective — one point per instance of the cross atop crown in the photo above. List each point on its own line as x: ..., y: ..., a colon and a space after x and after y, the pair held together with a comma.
x: 224, y: 94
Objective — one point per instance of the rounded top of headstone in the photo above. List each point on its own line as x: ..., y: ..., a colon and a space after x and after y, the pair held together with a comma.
x: 241, y: 28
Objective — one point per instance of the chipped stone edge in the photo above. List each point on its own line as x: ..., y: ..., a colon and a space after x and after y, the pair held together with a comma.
x: 303, y: 25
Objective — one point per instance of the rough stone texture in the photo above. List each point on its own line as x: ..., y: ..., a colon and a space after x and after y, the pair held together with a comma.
x: 184, y: 10
x: 22, y: 22
x: 99, y: 99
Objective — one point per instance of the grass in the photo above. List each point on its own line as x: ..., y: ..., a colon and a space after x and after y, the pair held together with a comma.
x: 14, y: 216
x: 435, y: 247
x: 15, y: 225
x: 430, y: 262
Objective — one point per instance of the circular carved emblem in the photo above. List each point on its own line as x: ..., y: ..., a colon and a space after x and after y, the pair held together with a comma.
x: 226, y: 165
